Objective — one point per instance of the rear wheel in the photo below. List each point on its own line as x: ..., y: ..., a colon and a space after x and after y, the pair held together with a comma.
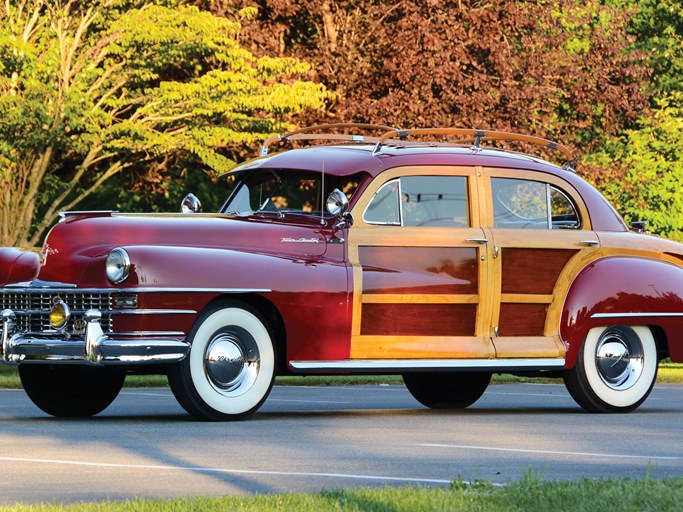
x: 615, y: 369
x: 230, y: 369
x: 447, y: 390
x: 71, y: 391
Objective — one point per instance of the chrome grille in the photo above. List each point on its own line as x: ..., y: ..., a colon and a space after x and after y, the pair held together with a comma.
x: 32, y: 309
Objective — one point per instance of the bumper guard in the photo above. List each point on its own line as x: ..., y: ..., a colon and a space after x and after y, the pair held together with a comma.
x: 96, y: 349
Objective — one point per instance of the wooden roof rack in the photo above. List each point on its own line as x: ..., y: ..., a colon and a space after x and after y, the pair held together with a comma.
x: 306, y: 134
x: 475, y: 137
x: 395, y: 135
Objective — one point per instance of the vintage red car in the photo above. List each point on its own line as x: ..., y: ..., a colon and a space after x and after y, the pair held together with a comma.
x: 404, y: 254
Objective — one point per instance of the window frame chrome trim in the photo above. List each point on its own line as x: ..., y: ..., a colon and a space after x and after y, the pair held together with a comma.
x: 635, y: 315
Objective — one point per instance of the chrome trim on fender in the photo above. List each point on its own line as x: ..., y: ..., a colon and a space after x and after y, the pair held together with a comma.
x: 119, y: 334
x: 634, y: 315
x: 72, y: 288
x: 400, y: 365
x: 150, y: 312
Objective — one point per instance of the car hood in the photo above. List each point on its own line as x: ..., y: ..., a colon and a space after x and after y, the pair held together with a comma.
x: 81, y: 238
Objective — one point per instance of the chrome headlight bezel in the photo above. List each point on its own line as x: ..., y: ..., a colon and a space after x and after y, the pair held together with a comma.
x: 117, y: 266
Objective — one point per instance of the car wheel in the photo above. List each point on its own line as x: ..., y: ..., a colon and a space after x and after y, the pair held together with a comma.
x: 230, y: 369
x: 615, y: 369
x: 447, y: 390
x: 71, y: 391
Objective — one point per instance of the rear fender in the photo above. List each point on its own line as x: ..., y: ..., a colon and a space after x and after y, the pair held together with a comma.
x: 628, y: 291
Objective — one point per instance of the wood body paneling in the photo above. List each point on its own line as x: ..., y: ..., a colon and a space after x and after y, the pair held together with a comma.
x: 533, y: 270
x: 418, y: 319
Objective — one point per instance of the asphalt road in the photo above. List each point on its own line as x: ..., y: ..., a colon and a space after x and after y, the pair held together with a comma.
x: 313, y: 438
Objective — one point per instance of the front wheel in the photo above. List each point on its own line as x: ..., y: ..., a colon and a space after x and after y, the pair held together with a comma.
x: 230, y: 369
x: 615, y: 369
x: 71, y: 391
x: 447, y: 390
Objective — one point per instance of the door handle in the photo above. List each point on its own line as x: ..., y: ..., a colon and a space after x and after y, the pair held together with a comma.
x: 589, y: 242
x: 477, y: 240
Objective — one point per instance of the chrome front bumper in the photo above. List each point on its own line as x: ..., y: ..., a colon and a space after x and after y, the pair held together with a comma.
x: 95, y: 349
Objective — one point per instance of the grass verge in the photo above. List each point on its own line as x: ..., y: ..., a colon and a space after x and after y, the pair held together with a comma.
x: 530, y: 493
x: 669, y: 373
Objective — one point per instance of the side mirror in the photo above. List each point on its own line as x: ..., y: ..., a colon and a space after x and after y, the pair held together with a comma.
x: 639, y: 226
x: 191, y: 204
x: 337, y: 202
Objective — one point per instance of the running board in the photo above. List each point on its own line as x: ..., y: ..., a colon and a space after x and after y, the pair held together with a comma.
x: 415, y: 365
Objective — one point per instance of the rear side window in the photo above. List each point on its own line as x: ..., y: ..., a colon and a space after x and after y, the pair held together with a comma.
x: 530, y: 204
x: 420, y: 201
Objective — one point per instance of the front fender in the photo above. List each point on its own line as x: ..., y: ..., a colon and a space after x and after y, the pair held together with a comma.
x: 624, y: 290
x: 310, y: 294
x: 17, y: 266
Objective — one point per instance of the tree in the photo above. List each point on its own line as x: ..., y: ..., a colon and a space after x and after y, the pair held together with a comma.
x: 562, y: 69
x: 89, y: 91
x: 645, y: 164
x: 647, y: 176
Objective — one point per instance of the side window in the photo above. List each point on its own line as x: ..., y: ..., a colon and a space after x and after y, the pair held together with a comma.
x: 531, y: 204
x: 420, y: 201
x: 434, y: 201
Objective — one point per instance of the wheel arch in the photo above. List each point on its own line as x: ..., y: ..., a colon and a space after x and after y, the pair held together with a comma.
x: 270, y: 314
x: 629, y: 291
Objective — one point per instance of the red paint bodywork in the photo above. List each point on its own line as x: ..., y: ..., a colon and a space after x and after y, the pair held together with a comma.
x: 308, y: 285
x: 621, y: 286
x: 17, y: 266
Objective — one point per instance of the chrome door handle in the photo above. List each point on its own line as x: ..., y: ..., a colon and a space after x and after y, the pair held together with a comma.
x: 477, y: 240
x: 589, y: 242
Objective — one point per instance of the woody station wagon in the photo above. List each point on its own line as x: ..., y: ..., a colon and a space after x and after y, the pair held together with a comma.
x: 409, y: 253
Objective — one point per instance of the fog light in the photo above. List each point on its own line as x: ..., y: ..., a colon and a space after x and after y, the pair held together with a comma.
x: 59, y: 315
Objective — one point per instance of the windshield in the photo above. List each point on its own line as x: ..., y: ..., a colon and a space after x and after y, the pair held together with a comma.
x: 286, y: 191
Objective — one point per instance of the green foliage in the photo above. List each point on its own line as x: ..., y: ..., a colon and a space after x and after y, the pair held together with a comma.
x: 658, y: 25
x: 649, y: 177
x: 89, y: 90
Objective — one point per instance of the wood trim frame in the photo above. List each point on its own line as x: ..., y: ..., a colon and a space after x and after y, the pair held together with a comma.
x: 362, y: 234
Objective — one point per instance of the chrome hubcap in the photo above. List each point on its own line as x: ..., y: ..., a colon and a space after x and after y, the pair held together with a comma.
x: 619, y: 357
x: 231, y: 362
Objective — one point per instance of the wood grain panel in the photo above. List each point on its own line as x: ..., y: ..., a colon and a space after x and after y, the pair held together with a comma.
x: 522, y: 319
x: 418, y: 270
x: 528, y: 347
x: 418, y: 319
x: 421, y: 347
x: 533, y: 271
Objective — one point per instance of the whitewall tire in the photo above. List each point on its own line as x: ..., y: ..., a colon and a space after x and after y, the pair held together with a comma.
x: 615, y: 370
x: 230, y: 369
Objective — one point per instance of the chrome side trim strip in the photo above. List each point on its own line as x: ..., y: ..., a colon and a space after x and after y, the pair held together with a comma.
x: 68, y: 289
x: 120, y: 334
x: 399, y: 365
x: 634, y: 315
x: 149, y: 312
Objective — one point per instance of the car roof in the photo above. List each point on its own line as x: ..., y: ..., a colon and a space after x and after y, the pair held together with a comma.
x: 349, y: 159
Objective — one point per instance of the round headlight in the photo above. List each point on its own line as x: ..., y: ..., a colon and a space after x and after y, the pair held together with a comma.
x: 118, y: 265
x: 59, y: 315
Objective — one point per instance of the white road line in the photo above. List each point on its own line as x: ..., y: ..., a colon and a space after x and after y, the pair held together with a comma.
x: 134, y: 393
x: 201, y: 469
x: 549, y: 452
x: 307, y: 401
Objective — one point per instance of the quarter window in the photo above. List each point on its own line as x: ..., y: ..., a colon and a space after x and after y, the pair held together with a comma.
x: 420, y: 201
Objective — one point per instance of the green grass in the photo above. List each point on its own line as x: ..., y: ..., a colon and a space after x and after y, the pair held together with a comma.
x: 608, y: 495
x: 669, y: 373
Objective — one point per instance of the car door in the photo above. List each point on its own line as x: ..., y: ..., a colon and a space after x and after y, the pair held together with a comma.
x: 542, y: 236
x: 420, y: 267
